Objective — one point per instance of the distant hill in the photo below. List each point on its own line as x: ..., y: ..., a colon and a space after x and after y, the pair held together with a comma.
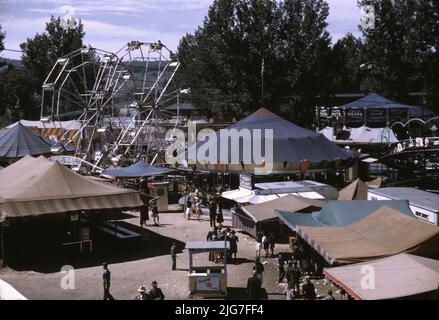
x: 16, y: 63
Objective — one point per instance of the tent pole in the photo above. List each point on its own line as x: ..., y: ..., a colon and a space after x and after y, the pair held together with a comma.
x: 2, y: 247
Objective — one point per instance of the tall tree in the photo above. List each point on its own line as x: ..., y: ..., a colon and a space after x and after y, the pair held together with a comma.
x: 42, y: 51
x: 346, y: 60
x: 250, y: 53
x: 402, y: 47
x: 2, y: 37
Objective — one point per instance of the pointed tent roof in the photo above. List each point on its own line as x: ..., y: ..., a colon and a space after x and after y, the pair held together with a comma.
x: 357, y: 190
x: 39, y: 186
x: 341, y: 213
x: 398, y: 276
x: 137, y: 170
x: 374, y: 100
x: 20, y: 141
x: 384, y: 233
x: 266, y: 211
x: 291, y: 143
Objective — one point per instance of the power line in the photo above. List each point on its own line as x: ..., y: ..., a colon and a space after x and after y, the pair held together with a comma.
x: 13, y: 50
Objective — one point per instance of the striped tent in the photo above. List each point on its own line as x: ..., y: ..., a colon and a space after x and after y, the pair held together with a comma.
x: 32, y: 187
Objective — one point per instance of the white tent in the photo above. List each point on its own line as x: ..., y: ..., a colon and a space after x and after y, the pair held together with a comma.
x: 363, y: 135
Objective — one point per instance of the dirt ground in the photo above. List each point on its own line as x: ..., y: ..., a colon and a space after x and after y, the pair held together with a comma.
x: 133, y: 265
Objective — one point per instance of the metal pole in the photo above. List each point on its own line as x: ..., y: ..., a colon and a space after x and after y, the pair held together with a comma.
x: 2, y: 248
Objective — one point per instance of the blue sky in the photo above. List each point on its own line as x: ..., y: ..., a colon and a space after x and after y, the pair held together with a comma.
x: 109, y: 24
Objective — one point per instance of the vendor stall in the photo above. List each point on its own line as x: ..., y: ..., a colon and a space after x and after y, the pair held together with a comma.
x: 208, y: 281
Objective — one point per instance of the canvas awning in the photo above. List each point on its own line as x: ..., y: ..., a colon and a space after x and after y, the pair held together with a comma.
x: 383, y: 233
x: 20, y: 141
x: 357, y: 190
x: 399, y: 276
x: 266, y: 211
x: 137, y: 170
x: 341, y: 213
x: 32, y: 187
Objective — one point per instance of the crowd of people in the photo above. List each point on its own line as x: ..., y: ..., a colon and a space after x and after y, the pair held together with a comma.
x: 219, y: 233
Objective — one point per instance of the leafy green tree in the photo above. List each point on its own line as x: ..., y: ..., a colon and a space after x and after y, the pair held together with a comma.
x: 402, y: 48
x: 347, y: 59
x: 253, y: 53
x: 42, y: 51
x: 2, y: 38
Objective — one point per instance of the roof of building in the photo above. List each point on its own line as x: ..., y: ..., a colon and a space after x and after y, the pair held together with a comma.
x: 420, y: 198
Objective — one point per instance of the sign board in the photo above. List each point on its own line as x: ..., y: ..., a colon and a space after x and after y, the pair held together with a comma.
x: 245, y: 182
x: 398, y: 114
x: 376, y: 115
x: 354, y: 115
x: 208, y: 284
x: 67, y: 160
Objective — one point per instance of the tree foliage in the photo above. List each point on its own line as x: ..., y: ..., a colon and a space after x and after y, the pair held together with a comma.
x: 402, y: 48
x: 251, y: 53
x: 20, y: 89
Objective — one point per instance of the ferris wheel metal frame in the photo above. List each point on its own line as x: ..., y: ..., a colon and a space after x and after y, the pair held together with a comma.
x: 114, y: 78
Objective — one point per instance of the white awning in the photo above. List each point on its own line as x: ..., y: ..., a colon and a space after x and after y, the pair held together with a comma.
x: 240, y: 195
x: 370, y: 160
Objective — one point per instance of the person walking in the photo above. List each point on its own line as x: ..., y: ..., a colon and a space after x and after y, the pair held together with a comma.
x: 212, y: 235
x: 198, y: 211
x: 259, y: 236
x: 212, y: 213
x: 259, y: 269
x: 188, y: 208
x: 254, y: 285
x: 156, y: 293
x: 233, y: 244
x: 144, y: 216
x: 295, y: 277
x: 143, y: 295
x: 106, y: 276
x: 266, y: 244
x: 174, y: 256
x: 281, y: 269
x: 155, y: 213
x: 309, y: 291
x: 219, y: 214
x: 272, y: 241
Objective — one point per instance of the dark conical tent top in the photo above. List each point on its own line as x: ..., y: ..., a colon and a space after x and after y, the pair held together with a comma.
x: 137, y: 170
x: 357, y: 190
x: 20, y: 141
x: 374, y: 101
x: 292, y: 145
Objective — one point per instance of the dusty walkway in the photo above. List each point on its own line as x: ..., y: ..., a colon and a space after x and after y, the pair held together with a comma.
x: 129, y: 271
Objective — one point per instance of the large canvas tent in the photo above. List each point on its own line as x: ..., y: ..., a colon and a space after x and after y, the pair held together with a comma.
x: 383, y: 233
x: 33, y: 187
x: 20, y: 141
x: 376, y: 101
x: 341, y: 213
x: 255, y: 218
x: 357, y: 190
x: 295, y: 149
x: 398, y: 276
x: 137, y: 170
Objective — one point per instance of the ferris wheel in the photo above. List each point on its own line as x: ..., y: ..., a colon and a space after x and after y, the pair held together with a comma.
x: 94, y: 86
